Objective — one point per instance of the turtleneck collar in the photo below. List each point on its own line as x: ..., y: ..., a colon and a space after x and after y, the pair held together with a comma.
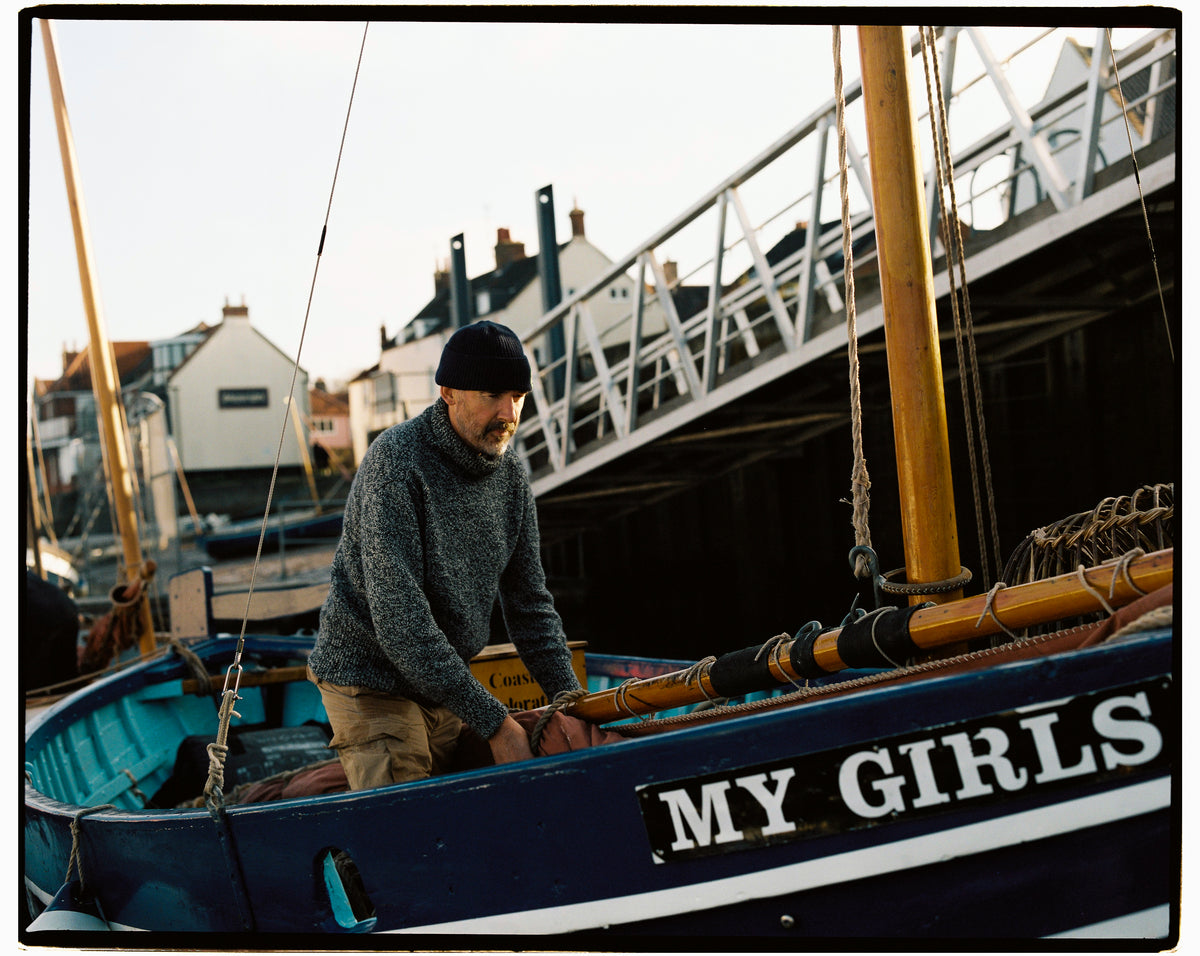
x: 474, y: 463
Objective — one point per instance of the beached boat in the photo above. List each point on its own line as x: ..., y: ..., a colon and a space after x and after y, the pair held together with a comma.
x: 868, y: 790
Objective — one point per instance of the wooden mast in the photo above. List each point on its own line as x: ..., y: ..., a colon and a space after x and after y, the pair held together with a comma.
x: 104, y: 373
x: 910, y: 318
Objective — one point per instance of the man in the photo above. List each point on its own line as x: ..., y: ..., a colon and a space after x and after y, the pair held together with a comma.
x: 440, y: 520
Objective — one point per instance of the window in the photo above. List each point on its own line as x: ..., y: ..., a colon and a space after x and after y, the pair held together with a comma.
x: 385, y: 391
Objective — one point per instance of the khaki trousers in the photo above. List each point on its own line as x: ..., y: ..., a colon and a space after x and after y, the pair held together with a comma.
x: 383, y: 739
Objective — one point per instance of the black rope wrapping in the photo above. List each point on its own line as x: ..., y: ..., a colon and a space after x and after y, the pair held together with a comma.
x: 741, y: 672
x: 877, y: 639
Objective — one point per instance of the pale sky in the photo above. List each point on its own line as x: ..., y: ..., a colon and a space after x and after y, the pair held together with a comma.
x: 207, y: 152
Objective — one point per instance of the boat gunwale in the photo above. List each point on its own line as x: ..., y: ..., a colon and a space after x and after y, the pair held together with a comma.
x: 1033, y: 692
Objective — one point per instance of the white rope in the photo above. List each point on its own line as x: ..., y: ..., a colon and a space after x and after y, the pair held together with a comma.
x: 860, y: 481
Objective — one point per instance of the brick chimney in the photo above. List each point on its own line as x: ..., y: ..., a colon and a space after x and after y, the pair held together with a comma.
x: 441, y: 277
x: 507, y: 250
x: 576, y: 222
x: 235, y: 311
x: 671, y: 271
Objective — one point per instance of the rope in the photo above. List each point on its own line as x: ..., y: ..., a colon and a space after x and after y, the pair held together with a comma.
x: 195, y: 665
x: 1137, y: 178
x: 1122, y: 569
x: 75, y: 861
x: 960, y: 580
x: 990, y: 611
x: 1091, y: 590
x: 135, y: 789
x: 860, y: 481
x: 774, y: 648
x: 620, y: 700
x: 217, y: 752
x: 1151, y: 620
x: 951, y: 230
x: 803, y: 695
x: 694, y: 674
x: 560, y: 701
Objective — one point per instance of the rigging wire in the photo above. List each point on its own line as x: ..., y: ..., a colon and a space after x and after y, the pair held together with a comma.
x: 955, y: 255
x: 236, y: 664
x: 1137, y: 178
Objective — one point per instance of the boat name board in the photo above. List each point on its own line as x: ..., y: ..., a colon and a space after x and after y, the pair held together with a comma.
x: 1089, y: 739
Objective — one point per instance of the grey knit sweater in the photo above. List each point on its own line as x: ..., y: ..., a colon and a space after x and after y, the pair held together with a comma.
x: 433, y: 531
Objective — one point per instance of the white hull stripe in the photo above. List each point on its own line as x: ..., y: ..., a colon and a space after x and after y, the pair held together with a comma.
x: 1153, y: 923
x: 1023, y: 827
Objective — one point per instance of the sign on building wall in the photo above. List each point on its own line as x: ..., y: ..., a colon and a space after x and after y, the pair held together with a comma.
x: 242, y: 398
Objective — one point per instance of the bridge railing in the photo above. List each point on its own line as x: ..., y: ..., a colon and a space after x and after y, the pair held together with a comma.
x: 758, y: 287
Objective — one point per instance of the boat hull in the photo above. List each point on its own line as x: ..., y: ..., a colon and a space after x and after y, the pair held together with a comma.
x: 241, y: 539
x: 646, y: 836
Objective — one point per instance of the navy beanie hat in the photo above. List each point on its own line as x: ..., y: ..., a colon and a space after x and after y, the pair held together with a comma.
x: 484, y: 357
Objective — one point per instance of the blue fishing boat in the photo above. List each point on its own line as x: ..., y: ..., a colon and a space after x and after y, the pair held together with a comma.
x: 1026, y: 794
x: 1001, y: 766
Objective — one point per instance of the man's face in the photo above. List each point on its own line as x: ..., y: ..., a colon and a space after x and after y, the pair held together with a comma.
x: 486, y: 421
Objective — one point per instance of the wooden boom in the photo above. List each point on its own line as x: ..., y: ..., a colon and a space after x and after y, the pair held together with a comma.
x: 1020, y: 606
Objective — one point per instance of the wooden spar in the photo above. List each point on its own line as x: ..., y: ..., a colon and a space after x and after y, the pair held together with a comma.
x: 308, y: 468
x: 910, y: 318
x: 1020, y: 606
x: 187, y: 492
x: 104, y: 373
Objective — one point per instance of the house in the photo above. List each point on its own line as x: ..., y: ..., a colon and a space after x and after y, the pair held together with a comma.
x: 1146, y: 123
x: 66, y: 425
x: 221, y: 390
x: 228, y: 397
x: 329, y: 428
x: 402, y: 383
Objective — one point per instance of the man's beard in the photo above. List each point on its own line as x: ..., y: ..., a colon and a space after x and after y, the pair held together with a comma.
x: 495, y: 438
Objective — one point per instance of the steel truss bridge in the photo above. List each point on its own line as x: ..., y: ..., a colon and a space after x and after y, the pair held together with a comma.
x: 739, y: 352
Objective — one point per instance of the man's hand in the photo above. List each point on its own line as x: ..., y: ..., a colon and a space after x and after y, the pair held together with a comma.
x: 510, y: 743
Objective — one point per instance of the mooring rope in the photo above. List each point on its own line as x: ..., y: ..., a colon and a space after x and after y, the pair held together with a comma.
x: 860, y: 481
x: 75, y: 860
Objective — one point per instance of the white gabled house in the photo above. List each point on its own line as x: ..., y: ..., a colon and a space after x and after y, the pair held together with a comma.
x: 402, y: 384
x: 227, y: 399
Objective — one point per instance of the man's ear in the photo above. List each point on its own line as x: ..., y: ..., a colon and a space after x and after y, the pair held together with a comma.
x: 447, y: 394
